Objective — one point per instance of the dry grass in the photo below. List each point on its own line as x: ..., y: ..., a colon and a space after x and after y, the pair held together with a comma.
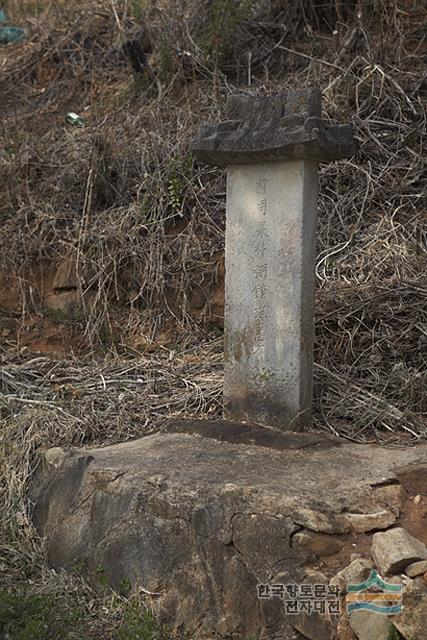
x: 46, y: 402
x: 145, y: 224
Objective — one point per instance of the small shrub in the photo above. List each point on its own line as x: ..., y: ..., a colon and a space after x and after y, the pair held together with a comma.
x: 218, y: 36
x: 393, y: 633
x: 139, y: 624
x: 101, y: 576
x: 178, y: 178
x: 28, y: 617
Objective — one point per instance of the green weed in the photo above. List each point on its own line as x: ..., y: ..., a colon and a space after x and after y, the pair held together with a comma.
x: 140, y: 624
x: 101, y: 576
x: 177, y: 181
x: 393, y: 633
x: 72, y: 317
x: 29, y: 617
x: 217, y: 37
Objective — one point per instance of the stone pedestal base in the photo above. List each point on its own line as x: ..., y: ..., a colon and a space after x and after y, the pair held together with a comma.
x: 200, y: 515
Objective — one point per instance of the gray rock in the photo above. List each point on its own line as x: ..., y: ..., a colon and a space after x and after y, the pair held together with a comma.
x: 391, y: 495
x: 315, y: 625
x: 395, y: 549
x: 364, y: 522
x: 56, y: 456
x: 322, y: 521
x: 66, y: 303
x: 357, y: 571
x: 314, y: 576
x: 263, y: 540
x: 66, y: 277
x: 411, y: 622
x: 200, y: 522
x: 344, y: 631
x: 413, y: 478
x: 416, y: 569
x: 368, y: 625
x: 319, y: 544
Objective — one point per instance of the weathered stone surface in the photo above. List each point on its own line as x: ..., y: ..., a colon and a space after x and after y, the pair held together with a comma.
x: 416, y: 569
x: 199, y: 521
x: 344, y: 631
x: 413, y: 478
x: 380, y: 504
x: 287, y: 126
x: 357, y: 571
x: 66, y: 277
x: 269, y: 293
x: 66, y: 303
x: 395, y: 549
x: 251, y: 434
x: 368, y: 625
x: 264, y: 541
x: 411, y: 622
x: 319, y: 544
x: 69, y: 304
x: 323, y: 522
x: 56, y: 456
x: 391, y: 495
x: 314, y: 576
x: 363, y: 522
x: 313, y: 625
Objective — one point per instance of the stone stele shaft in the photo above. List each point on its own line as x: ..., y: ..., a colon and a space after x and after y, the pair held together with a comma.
x: 271, y: 147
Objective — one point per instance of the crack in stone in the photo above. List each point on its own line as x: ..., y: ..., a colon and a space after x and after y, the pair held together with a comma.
x: 292, y: 535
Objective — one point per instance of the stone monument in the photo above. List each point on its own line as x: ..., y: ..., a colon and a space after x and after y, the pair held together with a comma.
x: 213, y: 521
x: 271, y: 146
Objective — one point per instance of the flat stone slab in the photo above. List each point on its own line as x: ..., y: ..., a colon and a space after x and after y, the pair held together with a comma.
x: 416, y: 569
x: 198, y: 521
x: 396, y: 549
x: 251, y: 434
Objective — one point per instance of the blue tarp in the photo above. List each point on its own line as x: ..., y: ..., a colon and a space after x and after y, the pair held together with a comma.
x: 10, y: 34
